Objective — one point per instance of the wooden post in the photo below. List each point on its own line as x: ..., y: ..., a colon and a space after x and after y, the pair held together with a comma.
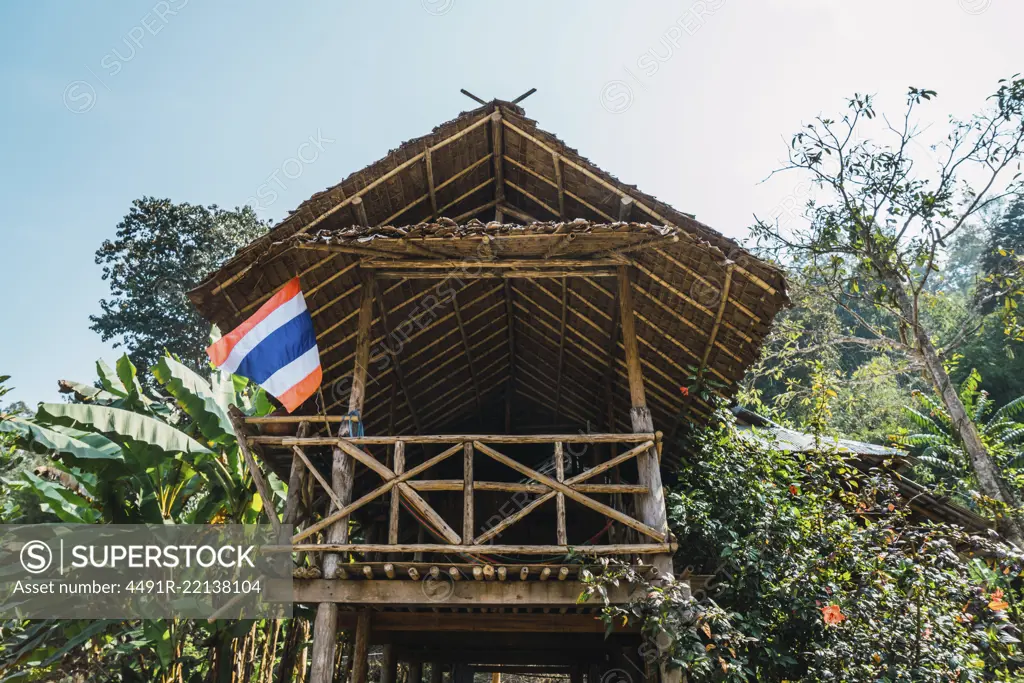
x: 325, y: 627
x: 430, y: 182
x: 388, y: 665
x: 651, y: 505
x: 499, y: 152
x: 360, y: 211
x: 415, y: 674
x: 293, y: 503
x: 296, y: 480
x: 469, y: 356
x: 557, y: 161
x: 560, y: 497
x: 399, y: 372
x: 396, y: 500
x: 237, y: 419
x: 359, y: 650
x: 435, y: 672
x: 467, y: 492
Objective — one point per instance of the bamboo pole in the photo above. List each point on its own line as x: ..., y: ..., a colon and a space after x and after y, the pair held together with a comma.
x: 596, y: 437
x: 560, y: 497
x: 467, y: 491
x: 238, y: 425
x: 325, y: 630
x: 560, y: 487
x: 376, y: 493
x: 651, y: 507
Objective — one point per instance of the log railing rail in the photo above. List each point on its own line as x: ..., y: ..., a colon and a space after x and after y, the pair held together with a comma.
x: 402, y: 483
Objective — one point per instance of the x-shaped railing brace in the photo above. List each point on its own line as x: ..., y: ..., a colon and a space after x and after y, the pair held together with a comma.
x: 391, y: 480
x: 565, y: 488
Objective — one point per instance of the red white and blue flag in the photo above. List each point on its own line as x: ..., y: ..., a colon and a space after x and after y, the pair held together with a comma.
x: 275, y: 348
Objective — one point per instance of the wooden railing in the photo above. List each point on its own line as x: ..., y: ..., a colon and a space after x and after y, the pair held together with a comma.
x: 401, y: 483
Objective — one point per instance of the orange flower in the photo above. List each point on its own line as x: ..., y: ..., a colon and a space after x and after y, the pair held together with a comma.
x: 832, y: 614
x: 684, y: 391
x: 997, y: 603
x: 793, y: 490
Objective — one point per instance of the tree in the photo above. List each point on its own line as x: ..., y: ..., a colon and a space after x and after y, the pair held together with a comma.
x: 876, y: 227
x: 813, y: 338
x: 1002, y: 268
x: 162, y: 250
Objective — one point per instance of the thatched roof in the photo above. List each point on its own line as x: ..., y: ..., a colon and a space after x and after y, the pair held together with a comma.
x: 454, y: 357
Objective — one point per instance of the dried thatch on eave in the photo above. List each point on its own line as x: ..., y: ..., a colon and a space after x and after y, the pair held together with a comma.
x: 453, y: 360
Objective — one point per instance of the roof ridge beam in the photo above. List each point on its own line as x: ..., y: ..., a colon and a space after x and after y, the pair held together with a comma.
x: 497, y: 147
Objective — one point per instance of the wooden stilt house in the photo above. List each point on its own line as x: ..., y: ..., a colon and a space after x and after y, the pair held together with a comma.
x: 506, y: 333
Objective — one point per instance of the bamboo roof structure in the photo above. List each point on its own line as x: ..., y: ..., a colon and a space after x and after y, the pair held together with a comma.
x: 490, y: 244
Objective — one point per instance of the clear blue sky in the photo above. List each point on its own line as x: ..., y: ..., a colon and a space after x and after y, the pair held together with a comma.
x: 103, y: 102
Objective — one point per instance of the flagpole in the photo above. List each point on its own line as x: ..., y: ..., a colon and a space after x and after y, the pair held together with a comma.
x: 323, y: 407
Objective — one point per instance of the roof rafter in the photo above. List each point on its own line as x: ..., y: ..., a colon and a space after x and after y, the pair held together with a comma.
x: 469, y: 354
x: 399, y: 372
x: 561, y: 345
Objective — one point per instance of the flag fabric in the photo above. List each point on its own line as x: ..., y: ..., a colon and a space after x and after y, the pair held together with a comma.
x: 275, y: 348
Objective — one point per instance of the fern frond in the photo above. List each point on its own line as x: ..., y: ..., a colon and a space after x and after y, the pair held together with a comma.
x: 940, y: 465
x: 1010, y: 410
x: 982, y: 406
x: 923, y: 421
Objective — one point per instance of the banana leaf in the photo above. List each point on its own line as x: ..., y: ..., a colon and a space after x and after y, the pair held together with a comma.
x: 87, y: 392
x: 196, y: 397
x: 130, y: 379
x: 125, y: 424
x: 51, y: 438
x: 109, y: 379
x: 89, y: 630
x: 67, y: 505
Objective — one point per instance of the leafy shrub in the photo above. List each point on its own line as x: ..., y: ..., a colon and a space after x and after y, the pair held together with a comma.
x: 821, y: 572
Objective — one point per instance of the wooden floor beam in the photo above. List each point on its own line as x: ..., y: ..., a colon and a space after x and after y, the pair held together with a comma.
x: 381, y: 592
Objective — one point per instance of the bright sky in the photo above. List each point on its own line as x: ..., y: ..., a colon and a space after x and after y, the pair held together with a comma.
x: 692, y: 100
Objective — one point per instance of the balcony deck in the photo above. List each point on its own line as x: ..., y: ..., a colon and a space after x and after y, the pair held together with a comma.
x: 467, y: 537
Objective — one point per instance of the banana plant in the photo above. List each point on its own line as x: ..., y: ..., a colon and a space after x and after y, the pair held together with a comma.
x: 117, y: 454
x: 121, y: 455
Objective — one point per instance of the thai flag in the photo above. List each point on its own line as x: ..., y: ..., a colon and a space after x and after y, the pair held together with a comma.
x: 275, y: 348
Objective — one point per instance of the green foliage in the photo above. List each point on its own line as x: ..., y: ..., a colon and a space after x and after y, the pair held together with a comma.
x: 940, y: 454
x: 162, y: 250
x: 876, y: 228
x: 120, y: 455
x: 1002, y: 265
x: 793, y: 538
x: 16, y: 506
x: 815, y: 338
